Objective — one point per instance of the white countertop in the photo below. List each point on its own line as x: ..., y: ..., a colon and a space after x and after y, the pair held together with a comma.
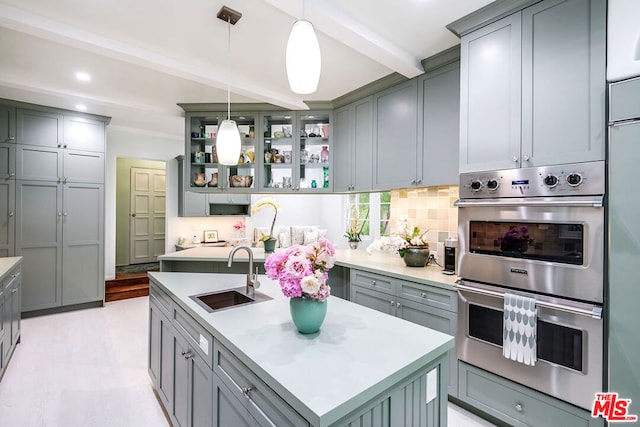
x: 357, y: 354
x: 7, y: 263
x: 378, y: 262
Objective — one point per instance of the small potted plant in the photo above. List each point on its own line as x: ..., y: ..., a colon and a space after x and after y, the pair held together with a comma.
x: 354, y: 233
x: 409, y: 242
x: 268, y: 239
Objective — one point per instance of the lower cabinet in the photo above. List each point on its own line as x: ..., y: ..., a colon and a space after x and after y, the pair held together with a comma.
x: 425, y: 305
x: 10, y: 313
x: 518, y: 405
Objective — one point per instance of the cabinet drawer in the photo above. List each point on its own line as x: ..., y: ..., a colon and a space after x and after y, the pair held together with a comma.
x: 265, y: 405
x: 623, y: 100
x: 515, y: 404
x: 373, y: 281
x: 197, y: 336
x: 161, y: 299
x: 429, y: 295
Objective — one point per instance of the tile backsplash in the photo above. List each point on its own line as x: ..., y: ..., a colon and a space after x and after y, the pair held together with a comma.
x: 430, y: 208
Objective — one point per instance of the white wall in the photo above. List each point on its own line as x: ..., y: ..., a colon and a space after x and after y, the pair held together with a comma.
x: 623, y: 39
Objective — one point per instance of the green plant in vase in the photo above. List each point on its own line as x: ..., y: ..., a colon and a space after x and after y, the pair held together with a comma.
x: 354, y: 232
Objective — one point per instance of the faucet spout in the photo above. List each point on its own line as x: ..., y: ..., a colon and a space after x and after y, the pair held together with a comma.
x: 252, y: 278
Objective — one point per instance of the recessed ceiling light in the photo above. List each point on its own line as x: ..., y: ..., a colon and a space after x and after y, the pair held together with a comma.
x: 82, y: 76
x: 81, y: 107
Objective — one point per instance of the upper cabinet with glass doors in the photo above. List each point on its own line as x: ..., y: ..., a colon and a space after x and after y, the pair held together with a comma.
x: 242, y: 177
x: 279, y: 152
x: 204, y: 170
x: 315, y: 150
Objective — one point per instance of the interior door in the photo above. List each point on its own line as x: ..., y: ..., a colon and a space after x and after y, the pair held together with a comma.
x: 147, y: 215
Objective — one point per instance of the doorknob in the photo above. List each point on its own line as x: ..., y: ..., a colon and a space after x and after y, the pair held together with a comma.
x: 133, y: 215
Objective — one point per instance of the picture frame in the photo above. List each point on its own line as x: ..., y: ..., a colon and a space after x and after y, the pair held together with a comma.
x: 210, y: 236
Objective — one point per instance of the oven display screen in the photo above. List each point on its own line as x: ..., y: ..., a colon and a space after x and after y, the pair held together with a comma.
x: 520, y: 182
x: 544, y: 241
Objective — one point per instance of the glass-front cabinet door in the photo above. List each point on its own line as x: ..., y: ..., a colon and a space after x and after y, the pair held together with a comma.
x: 279, y: 157
x: 204, y: 169
x: 315, y: 151
x: 242, y: 177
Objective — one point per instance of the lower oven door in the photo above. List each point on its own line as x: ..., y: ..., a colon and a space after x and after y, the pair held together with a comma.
x: 569, y: 342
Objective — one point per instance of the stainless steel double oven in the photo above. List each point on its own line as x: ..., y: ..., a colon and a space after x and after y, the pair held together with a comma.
x: 537, y: 232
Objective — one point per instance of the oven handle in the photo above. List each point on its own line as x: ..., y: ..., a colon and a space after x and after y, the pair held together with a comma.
x: 595, y: 312
x: 594, y: 201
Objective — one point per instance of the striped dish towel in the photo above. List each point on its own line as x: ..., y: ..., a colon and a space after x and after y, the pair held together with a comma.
x: 519, y: 329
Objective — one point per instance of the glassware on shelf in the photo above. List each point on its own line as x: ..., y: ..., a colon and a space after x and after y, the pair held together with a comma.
x: 325, y: 172
x: 324, y: 154
x: 304, y: 156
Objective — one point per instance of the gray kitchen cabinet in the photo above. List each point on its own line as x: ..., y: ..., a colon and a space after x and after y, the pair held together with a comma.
x: 425, y: 305
x: 10, y: 291
x: 7, y: 124
x: 59, y: 232
x: 39, y: 242
x: 262, y: 403
x: 237, y: 199
x: 395, y: 136
x: 624, y: 245
x: 82, y: 243
x: 532, y: 87
x: 353, y: 145
x: 36, y: 127
x: 517, y: 405
x: 7, y: 161
x: 84, y: 134
x: 192, y: 387
x: 7, y: 217
x: 439, y: 126
x: 57, y: 164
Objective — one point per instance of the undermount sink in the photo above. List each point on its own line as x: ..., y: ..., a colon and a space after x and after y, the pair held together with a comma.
x: 214, y: 301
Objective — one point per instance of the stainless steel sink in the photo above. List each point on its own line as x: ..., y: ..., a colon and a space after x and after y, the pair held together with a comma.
x: 220, y: 300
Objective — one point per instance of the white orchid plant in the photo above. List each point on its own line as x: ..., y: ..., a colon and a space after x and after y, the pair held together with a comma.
x: 404, y: 238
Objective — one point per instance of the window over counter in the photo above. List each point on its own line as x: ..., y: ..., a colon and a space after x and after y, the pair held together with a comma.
x: 371, y: 211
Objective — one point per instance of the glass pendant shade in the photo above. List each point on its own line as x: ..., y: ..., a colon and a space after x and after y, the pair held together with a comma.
x: 303, y: 58
x: 228, y: 143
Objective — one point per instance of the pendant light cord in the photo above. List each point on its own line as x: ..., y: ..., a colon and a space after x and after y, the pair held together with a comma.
x: 228, y: 68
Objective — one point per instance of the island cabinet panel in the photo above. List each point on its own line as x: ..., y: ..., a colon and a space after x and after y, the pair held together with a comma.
x: 10, y: 312
x: 260, y: 401
x: 425, y: 305
x: 517, y: 405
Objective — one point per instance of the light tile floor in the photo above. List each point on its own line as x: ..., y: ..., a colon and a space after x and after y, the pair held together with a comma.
x: 89, y: 368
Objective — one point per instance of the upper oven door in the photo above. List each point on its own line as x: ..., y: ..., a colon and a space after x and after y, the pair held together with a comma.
x: 548, y: 245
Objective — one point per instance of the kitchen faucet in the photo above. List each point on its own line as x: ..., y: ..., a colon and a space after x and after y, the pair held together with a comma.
x: 252, y: 278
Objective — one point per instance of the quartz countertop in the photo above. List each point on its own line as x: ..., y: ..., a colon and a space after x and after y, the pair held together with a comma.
x: 7, y: 263
x: 378, y: 262
x: 357, y: 354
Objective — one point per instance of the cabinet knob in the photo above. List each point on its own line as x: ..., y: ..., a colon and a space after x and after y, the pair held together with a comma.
x: 59, y: 213
x: 11, y: 138
x: 514, y: 159
x: 246, y: 391
x: 413, y: 181
x: 64, y: 145
x: 64, y: 180
x: 373, y: 283
x: 423, y: 294
x: 11, y: 214
x: 519, y: 407
x: 418, y: 181
x: 187, y: 354
x: 64, y: 214
x: 11, y: 174
x: 14, y: 290
x: 393, y: 303
x: 525, y: 157
x: 133, y: 215
x: 59, y: 145
x: 397, y: 305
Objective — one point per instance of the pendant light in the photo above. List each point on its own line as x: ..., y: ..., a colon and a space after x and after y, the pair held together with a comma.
x: 303, y: 57
x: 228, y: 138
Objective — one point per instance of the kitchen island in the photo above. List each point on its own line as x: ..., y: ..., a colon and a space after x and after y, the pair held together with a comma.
x: 248, y: 364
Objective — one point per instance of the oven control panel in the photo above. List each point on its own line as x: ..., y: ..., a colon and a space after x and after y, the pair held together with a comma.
x: 542, y: 181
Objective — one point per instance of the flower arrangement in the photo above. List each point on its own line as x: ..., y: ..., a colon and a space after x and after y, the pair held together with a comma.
x: 239, y: 225
x: 303, y: 270
x: 267, y: 201
x: 355, y: 228
x: 515, y: 240
x: 399, y: 242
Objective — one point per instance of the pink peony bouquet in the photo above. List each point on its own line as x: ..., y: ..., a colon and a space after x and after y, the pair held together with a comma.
x: 303, y: 270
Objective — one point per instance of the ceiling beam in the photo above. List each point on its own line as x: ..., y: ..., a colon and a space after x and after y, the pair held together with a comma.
x: 29, y: 23
x: 336, y: 24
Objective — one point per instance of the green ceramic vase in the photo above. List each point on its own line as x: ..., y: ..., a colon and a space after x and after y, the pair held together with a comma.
x: 270, y: 245
x: 416, y: 256
x: 307, y: 314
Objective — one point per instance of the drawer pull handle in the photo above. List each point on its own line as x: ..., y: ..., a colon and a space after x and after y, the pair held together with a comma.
x: 518, y: 407
x: 246, y: 391
x: 423, y: 294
